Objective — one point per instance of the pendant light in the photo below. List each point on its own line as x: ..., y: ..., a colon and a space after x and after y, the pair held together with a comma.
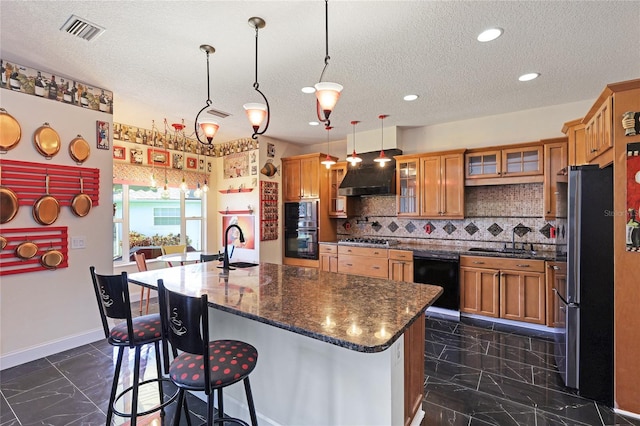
x: 154, y: 184
x: 382, y: 159
x: 198, y: 191
x: 353, y: 158
x: 256, y: 112
x: 328, y: 161
x: 327, y: 93
x: 208, y: 127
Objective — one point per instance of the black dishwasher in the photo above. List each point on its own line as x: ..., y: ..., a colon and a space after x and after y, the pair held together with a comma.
x: 441, y: 269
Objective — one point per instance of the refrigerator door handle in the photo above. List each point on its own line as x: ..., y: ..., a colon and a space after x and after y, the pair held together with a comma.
x: 569, y: 304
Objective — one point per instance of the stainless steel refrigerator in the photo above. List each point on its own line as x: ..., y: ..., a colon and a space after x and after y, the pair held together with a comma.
x: 584, y: 351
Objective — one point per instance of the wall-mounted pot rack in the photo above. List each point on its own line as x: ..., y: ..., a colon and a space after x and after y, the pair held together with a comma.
x: 46, y: 238
x: 27, y: 180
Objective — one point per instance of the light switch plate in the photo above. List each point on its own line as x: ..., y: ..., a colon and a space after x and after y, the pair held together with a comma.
x: 78, y: 242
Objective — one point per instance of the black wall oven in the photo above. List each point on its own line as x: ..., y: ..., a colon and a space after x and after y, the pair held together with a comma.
x: 301, y: 230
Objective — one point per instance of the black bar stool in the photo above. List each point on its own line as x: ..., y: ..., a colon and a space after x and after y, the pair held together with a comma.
x: 112, y: 295
x: 185, y: 322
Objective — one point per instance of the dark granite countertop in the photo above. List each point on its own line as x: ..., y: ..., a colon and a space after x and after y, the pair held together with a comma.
x: 463, y: 250
x: 358, y: 313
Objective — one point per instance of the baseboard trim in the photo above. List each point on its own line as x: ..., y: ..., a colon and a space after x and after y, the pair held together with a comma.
x: 32, y: 353
x: 627, y: 413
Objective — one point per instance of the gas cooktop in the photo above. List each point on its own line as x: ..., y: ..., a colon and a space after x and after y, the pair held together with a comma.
x: 368, y: 241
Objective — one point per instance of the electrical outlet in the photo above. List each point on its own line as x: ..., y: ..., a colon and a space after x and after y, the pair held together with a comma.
x: 78, y: 242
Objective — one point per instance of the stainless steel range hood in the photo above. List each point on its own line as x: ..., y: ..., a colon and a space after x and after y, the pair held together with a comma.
x: 368, y: 178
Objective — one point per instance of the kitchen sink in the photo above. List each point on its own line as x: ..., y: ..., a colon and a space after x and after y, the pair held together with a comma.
x: 242, y: 264
x: 489, y: 250
x: 505, y: 250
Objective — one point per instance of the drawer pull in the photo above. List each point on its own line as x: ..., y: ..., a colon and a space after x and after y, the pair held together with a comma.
x: 348, y: 264
x: 554, y: 267
x: 478, y: 262
x: 522, y: 265
x: 376, y: 252
x: 376, y: 267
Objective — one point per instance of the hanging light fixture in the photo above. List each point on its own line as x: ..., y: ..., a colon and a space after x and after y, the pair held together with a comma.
x: 208, y: 127
x: 328, y: 161
x: 165, y: 190
x: 327, y: 93
x: 382, y: 159
x: 154, y: 184
x: 198, y: 191
x: 256, y: 112
x: 353, y: 158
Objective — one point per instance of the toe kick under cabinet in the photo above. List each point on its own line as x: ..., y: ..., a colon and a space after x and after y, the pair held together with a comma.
x: 506, y: 288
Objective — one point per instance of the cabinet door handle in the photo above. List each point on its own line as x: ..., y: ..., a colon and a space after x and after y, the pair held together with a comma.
x: 349, y: 250
x: 375, y: 252
x: 376, y: 267
x: 554, y: 267
x: 478, y: 262
x: 522, y: 265
x: 348, y: 264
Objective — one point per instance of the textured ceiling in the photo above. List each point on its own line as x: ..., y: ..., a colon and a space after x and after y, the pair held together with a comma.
x: 149, y: 57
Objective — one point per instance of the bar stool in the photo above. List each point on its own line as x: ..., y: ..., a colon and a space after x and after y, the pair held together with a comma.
x: 141, y: 262
x: 112, y: 295
x: 185, y: 323
x: 181, y: 248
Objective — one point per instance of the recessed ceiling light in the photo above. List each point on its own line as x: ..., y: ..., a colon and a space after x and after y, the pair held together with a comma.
x: 313, y: 123
x: 530, y: 76
x: 490, y: 34
x: 410, y: 98
x: 308, y: 89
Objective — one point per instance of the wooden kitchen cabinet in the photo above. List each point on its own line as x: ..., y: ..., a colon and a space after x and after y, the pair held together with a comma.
x: 522, y: 163
x: 413, y: 369
x: 442, y: 182
x: 597, y: 129
x: 401, y: 265
x: 338, y: 205
x: 302, y: 177
x: 430, y: 186
x: 555, y: 160
x: 367, y: 261
x: 556, y: 278
x: 503, y: 287
x: 577, y: 151
x: 328, y: 257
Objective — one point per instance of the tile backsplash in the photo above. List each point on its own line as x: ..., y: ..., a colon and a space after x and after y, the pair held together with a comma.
x: 491, y: 214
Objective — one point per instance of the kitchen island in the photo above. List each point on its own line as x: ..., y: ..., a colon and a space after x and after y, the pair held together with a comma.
x: 334, y: 349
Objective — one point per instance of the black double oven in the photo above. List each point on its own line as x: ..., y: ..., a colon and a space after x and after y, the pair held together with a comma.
x: 301, y: 229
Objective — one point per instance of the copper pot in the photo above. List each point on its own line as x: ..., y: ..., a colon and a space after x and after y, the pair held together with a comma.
x: 46, y: 209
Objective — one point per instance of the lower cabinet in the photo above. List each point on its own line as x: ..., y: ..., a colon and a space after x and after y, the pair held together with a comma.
x: 367, y: 261
x: 401, y: 265
x: 556, y: 278
x: 503, y: 288
x: 328, y: 257
x: 413, y: 369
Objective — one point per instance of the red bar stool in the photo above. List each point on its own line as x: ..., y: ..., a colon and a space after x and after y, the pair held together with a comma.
x: 185, y: 323
x: 112, y: 295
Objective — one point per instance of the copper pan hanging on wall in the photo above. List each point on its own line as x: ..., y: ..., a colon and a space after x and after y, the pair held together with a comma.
x: 79, y: 149
x: 8, y: 204
x: 81, y: 203
x: 10, y: 132
x: 47, y: 141
x: 46, y: 209
x: 3, y: 242
x: 52, y: 258
x: 26, y: 250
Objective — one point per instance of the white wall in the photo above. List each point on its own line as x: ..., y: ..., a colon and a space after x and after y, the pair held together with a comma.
x: 46, y: 312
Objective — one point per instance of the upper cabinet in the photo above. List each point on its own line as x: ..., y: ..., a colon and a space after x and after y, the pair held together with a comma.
x: 597, y: 130
x: 430, y: 185
x: 503, y: 165
x: 303, y: 177
x: 577, y: 152
x: 338, y: 205
x: 555, y: 164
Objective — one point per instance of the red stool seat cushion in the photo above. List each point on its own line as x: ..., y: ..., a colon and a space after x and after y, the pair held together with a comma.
x: 230, y: 361
x: 145, y: 329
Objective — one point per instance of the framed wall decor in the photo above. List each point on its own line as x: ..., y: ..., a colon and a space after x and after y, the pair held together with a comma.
x: 135, y: 155
x: 192, y: 163
x: 177, y: 161
x: 102, y: 135
x: 158, y: 157
x: 119, y: 152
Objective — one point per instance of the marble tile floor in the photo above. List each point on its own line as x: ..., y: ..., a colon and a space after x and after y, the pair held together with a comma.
x: 476, y: 373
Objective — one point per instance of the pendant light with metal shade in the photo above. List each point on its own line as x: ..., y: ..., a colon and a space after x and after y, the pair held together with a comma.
x: 208, y: 127
x: 256, y: 112
x: 382, y: 159
x: 328, y: 161
x: 353, y: 158
x: 327, y: 93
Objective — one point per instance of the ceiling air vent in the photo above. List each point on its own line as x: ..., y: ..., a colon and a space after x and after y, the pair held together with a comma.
x: 82, y: 28
x: 218, y: 113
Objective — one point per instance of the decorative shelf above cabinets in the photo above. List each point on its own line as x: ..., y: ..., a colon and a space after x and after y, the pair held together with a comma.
x: 234, y: 190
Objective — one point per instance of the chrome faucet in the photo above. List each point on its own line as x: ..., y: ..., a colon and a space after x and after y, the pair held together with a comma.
x: 513, y: 235
x: 225, y: 261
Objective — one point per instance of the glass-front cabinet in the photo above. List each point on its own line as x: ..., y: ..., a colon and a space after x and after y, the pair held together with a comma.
x: 407, y: 191
x: 483, y: 164
x: 520, y: 160
x: 337, y: 204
